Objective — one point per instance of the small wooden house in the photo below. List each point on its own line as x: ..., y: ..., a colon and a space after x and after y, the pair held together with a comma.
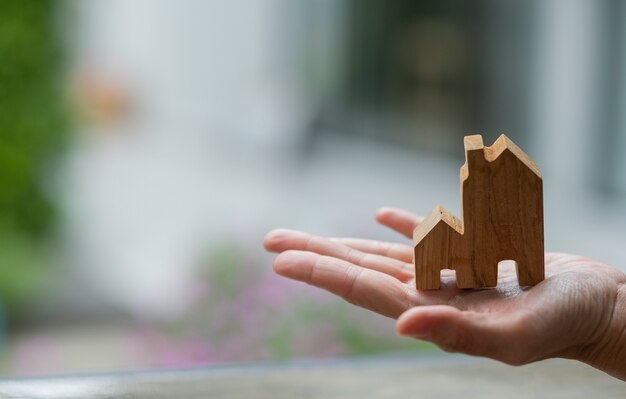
x: 502, y: 219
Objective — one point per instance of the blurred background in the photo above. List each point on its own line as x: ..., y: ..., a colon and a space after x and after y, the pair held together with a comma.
x: 146, y: 147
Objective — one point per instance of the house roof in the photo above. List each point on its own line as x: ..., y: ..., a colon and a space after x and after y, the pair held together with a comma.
x: 503, y: 143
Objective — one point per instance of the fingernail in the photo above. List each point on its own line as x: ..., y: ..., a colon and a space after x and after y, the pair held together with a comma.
x: 416, y: 336
x: 417, y: 332
x: 422, y: 337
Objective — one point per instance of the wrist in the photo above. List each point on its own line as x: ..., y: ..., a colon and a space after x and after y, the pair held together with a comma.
x: 608, y: 353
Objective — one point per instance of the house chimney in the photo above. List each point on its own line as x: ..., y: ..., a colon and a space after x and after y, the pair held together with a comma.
x: 474, y: 150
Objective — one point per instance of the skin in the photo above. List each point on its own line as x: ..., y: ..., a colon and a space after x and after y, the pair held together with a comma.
x: 577, y: 312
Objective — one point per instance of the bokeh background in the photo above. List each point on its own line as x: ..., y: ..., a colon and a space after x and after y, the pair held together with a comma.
x: 146, y: 146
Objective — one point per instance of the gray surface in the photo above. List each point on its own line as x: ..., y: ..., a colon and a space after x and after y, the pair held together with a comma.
x: 395, y: 377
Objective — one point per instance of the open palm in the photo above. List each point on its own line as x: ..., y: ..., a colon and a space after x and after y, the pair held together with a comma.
x: 569, y: 314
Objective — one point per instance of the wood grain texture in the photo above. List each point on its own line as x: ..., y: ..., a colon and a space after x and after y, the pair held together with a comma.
x: 502, y: 205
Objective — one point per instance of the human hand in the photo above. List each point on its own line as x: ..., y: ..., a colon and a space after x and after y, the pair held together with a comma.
x: 577, y: 312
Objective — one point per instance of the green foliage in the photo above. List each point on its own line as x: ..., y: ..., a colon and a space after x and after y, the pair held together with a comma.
x: 31, y: 115
x: 21, y: 270
x: 32, y: 128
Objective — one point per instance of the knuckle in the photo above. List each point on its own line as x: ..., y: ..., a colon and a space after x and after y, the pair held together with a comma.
x: 354, y: 256
x: 313, y: 243
x: 409, y: 296
x: 354, y: 273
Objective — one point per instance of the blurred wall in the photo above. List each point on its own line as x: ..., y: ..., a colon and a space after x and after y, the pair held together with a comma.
x: 212, y: 121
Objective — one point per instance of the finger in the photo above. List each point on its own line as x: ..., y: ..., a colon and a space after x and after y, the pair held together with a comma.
x: 397, y: 251
x: 404, y: 222
x: 367, y: 288
x: 512, y: 338
x: 283, y: 240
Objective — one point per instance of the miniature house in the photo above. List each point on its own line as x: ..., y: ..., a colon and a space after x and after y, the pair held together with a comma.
x: 502, y: 219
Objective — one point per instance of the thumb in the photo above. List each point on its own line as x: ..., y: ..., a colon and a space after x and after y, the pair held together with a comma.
x: 505, y: 337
